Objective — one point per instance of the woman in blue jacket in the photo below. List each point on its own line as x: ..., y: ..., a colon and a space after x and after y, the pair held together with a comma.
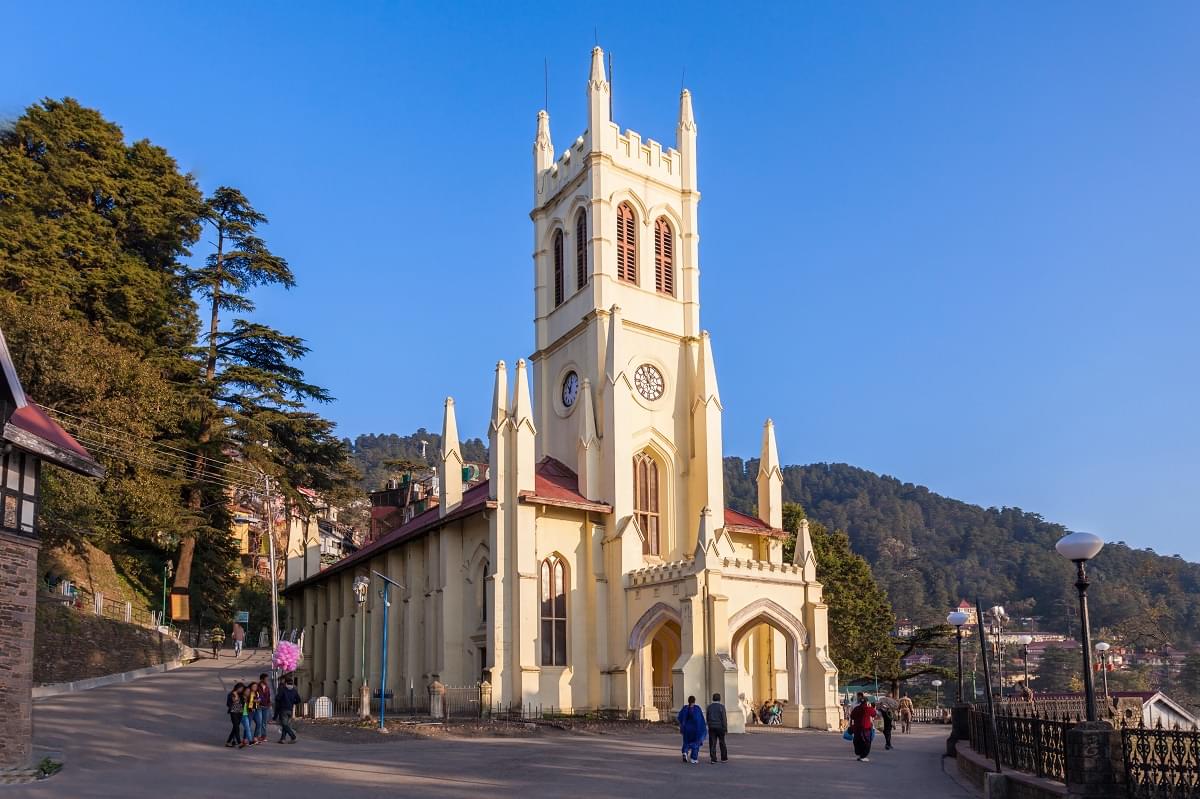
x: 692, y: 728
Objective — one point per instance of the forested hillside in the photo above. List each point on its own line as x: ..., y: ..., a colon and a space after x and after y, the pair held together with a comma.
x: 929, y: 552
x: 378, y: 457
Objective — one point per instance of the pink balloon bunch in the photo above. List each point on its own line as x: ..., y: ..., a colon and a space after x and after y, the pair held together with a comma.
x: 287, y: 656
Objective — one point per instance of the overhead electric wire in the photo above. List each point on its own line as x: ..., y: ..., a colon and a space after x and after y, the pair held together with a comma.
x: 161, y: 468
x: 117, y: 432
x: 147, y: 461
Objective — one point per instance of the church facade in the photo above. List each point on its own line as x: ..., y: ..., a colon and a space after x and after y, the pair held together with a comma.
x: 596, y: 566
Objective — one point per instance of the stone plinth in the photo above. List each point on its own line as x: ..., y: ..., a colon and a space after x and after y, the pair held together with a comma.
x: 1095, y: 763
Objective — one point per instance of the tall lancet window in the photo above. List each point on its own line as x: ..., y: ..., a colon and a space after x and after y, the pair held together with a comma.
x: 553, y: 578
x: 645, y: 501
x: 626, y: 244
x: 664, y: 257
x: 580, y: 249
x: 558, y: 268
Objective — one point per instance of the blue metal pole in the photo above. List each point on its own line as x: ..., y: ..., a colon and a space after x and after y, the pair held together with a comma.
x: 383, y: 657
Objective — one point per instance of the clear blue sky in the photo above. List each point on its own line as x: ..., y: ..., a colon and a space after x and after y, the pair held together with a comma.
x: 958, y: 243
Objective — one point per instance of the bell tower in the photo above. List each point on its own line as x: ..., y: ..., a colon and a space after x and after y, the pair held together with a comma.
x: 622, y: 367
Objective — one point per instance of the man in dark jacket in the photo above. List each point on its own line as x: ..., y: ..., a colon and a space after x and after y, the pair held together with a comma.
x: 718, y: 725
x: 286, y: 700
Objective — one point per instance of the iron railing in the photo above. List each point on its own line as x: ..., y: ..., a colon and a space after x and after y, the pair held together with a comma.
x: 1025, y: 742
x: 1161, y: 763
x: 663, y: 697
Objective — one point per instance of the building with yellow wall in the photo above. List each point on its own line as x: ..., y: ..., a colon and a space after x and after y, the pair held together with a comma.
x: 597, y: 565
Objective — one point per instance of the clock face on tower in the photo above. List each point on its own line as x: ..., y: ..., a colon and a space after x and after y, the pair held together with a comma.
x: 648, y: 381
x: 570, y: 389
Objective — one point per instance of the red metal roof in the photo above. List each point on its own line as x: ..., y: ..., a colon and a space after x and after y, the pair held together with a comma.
x: 555, y: 483
x: 474, y: 500
x: 31, y: 419
x: 732, y: 517
x: 750, y: 524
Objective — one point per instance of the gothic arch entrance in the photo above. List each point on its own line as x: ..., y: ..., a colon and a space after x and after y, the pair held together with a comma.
x: 766, y: 643
x: 656, y: 642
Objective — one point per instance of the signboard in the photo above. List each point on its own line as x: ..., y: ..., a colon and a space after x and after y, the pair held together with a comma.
x: 322, y: 708
x: 243, y: 617
x: 180, y: 606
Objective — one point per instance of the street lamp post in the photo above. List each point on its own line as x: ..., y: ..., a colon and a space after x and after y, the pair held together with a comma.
x: 998, y: 618
x: 1025, y: 641
x: 162, y: 620
x: 1079, y: 548
x: 957, y: 619
x: 362, y: 584
x: 1103, y: 648
x: 937, y: 699
x: 387, y: 584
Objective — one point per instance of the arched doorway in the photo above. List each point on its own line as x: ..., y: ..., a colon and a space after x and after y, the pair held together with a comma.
x: 656, y: 643
x: 766, y: 643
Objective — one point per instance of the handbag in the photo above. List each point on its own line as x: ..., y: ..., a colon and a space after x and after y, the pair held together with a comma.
x: 847, y: 735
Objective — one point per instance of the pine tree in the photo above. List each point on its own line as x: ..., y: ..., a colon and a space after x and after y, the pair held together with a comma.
x: 860, y: 618
x: 251, y: 394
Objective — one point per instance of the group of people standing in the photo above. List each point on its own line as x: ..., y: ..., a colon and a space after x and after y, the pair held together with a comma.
x: 693, y: 726
x: 248, y: 705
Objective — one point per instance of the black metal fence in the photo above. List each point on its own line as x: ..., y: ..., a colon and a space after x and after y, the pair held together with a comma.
x: 1025, y: 742
x: 1161, y: 763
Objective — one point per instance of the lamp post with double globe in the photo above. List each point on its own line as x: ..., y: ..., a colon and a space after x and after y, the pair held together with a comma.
x: 1079, y: 548
x: 957, y: 619
x: 998, y: 618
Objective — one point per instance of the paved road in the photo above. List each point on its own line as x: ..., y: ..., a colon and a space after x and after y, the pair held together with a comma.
x: 162, y: 736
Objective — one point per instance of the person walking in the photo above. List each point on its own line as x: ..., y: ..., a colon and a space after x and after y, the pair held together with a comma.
x: 691, y: 727
x: 249, y: 698
x: 239, y: 638
x: 233, y: 704
x: 718, y: 725
x: 262, y: 703
x: 862, y: 728
x: 906, y: 714
x: 885, y: 713
x: 286, y: 699
x: 216, y: 637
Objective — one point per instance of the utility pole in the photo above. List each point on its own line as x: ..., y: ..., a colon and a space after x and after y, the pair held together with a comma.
x: 270, y: 520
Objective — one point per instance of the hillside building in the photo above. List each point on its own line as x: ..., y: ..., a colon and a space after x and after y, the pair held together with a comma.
x: 597, y: 565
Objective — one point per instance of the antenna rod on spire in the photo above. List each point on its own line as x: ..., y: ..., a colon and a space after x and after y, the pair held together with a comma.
x: 546, y: 75
x: 610, y: 93
x: 683, y: 79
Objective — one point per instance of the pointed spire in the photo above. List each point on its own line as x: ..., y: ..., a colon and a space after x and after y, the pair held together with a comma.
x: 498, y: 435
x: 597, y: 78
x: 522, y: 434
x: 802, y: 555
x: 522, y: 406
x: 588, y: 467
x: 500, y: 397
x: 587, y: 418
x: 768, y: 462
x: 770, y: 480
x: 612, y: 359
x: 706, y: 379
x: 705, y: 533
x: 449, y: 430
x: 543, y: 147
x: 450, y: 469
x: 599, y: 108
x: 687, y: 120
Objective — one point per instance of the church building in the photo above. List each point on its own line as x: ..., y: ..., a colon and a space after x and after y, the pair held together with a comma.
x: 596, y: 565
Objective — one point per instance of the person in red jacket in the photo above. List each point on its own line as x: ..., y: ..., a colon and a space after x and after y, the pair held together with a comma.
x: 862, y: 719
